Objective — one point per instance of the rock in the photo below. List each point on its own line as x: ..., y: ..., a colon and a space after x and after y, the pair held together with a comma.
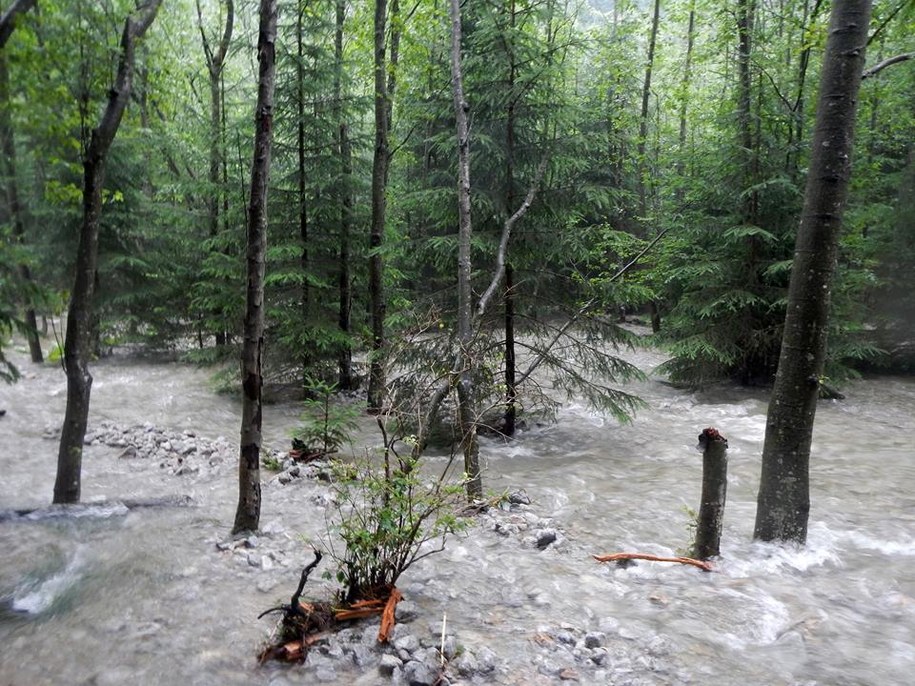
x: 599, y: 656
x: 595, y: 639
x: 406, y: 611
x: 406, y: 646
x: 419, y: 674
x: 545, y: 537
x: 565, y: 637
x: 449, y: 647
x: 568, y: 674
x: 467, y: 664
x: 388, y: 664
x: 487, y: 660
x: 519, y: 497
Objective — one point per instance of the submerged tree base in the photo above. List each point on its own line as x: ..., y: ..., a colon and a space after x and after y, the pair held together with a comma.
x: 304, y: 624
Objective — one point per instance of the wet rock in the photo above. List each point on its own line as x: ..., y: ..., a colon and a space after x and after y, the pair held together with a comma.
x: 467, y: 664
x: 406, y: 646
x: 595, y: 639
x: 406, y: 611
x: 544, y: 537
x: 449, y: 647
x: 419, y: 674
x: 519, y: 498
x: 388, y: 664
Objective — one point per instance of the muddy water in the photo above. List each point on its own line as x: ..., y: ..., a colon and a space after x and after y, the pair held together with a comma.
x: 144, y: 596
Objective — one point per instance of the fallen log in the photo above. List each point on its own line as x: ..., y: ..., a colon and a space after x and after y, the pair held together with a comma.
x: 616, y: 557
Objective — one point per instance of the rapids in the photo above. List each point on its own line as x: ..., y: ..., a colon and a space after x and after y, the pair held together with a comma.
x: 144, y: 596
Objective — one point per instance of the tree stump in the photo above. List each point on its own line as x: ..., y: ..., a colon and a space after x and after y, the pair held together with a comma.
x: 714, y: 448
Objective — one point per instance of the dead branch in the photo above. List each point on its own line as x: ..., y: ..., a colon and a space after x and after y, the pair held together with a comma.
x: 387, y: 616
x: 877, y: 68
x: 506, y: 234
x: 615, y: 557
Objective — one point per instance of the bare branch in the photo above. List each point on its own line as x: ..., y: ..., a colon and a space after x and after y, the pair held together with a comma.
x: 584, y: 308
x: 877, y: 68
x: 506, y: 234
x: 886, y: 21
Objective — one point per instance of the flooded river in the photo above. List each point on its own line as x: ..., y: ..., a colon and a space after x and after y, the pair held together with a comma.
x: 145, y: 596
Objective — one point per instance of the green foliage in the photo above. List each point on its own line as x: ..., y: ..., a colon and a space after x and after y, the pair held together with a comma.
x: 388, y: 517
x: 326, y: 426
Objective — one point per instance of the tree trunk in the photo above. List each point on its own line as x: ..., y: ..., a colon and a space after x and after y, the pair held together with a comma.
x: 77, y: 343
x: 714, y: 494
x: 466, y: 404
x: 8, y: 146
x: 379, y: 187
x: 643, y: 116
x: 215, y: 63
x: 345, y: 379
x: 684, y: 90
x: 511, y: 392
x: 783, y: 502
x: 247, y: 514
x: 305, y: 352
x: 745, y: 13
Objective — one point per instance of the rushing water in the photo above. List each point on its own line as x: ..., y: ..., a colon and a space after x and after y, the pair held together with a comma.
x: 145, y: 596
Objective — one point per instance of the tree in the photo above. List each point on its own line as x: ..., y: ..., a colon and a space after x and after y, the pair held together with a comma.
x: 77, y: 345
x: 215, y: 61
x: 464, y: 369
x: 783, y: 502
x: 247, y: 514
x: 9, y: 170
x: 379, y: 188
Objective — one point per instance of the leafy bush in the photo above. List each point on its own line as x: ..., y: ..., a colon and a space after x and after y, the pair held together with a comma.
x: 388, y: 517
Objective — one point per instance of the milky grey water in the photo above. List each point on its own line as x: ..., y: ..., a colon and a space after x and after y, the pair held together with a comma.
x: 145, y: 596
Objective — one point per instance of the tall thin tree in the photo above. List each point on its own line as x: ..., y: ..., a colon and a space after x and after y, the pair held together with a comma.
x: 215, y: 61
x: 466, y: 406
x: 376, y: 237
x: 247, y: 514
x: 77, y: 343
x: 783, y: 502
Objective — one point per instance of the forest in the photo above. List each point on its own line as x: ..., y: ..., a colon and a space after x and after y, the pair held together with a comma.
x: 459, y: 214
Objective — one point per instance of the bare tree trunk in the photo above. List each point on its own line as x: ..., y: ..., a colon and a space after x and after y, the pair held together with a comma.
x: 783, y: 503
x: 345, y: 378
x: 377, y: 381
x: 215, y: 62
x: 77, y: 343
x: 745, y: 12
x: 247, y: 514
x: 685, y: 86
x: 511, y: 391
x: 466, y: 403
x: 9, y: 168
x: 643, y: 116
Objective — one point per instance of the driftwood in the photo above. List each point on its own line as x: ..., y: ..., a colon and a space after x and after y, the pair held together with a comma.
x: 304, y: 624
x: 622, y: 557
x: 84, y: 509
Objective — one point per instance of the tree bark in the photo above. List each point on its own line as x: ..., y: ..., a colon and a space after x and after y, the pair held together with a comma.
x: 684, y: 88
x: 9, y: 169
x: 247, y: 514
x: 376, y: 238
x: 783, y: 503
x: 714, y: 494
x: 466, y: 401
x: 77, y: 342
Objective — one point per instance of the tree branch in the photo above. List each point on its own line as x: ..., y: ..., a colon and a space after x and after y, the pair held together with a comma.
x: 506, y: 234
x: 877, y: 68
x: 8, y: 19
x: 584, y: 308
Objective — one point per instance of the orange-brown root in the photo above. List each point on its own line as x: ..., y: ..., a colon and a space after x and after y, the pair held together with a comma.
x: 701, y: 564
